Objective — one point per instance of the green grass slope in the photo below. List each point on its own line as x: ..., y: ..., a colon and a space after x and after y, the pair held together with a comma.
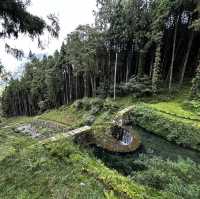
x: 63, y: 170
x: 59, y: 170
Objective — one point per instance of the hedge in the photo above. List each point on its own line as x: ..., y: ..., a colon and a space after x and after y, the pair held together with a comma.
x: 181, y: 131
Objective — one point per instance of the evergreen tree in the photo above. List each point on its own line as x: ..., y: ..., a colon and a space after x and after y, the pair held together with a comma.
x: 195, y: 90
x: 153, y: 42
x: 16, y: 20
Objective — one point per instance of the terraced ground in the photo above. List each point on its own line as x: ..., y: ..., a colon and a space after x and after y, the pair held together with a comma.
x: 62, y: 169
x: 58, y: 170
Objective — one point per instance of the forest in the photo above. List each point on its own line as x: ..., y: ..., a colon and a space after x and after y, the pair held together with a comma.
x: 114, y: 113
x: 136, y: 47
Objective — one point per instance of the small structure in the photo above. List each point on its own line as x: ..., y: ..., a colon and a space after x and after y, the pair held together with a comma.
x: 120, y: 140
x: 118, y: 137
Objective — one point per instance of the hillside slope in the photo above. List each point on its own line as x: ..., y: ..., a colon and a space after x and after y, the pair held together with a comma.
x: 58, y: 170
x: 63, y: 169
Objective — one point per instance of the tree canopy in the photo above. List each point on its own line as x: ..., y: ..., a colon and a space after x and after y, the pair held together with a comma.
x: 16, y: 20
x: 136, y: 47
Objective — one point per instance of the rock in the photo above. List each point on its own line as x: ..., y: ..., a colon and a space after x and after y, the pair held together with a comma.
x: 29, y: 130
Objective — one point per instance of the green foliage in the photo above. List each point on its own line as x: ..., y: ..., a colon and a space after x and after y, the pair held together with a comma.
x: 180, y: 178
x: 195, y: 91
x: 192, y: 105
x: 136, y: 86
x: 156, y: 70
x: 179, y: 130
x: 16, y: 20
x: 95, y: 105
x: 177, y: 109
x: 140, y: 32
x: 59, y: 170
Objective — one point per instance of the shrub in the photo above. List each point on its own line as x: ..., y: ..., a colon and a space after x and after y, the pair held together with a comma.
x: 192, y: 105
x: 180, y: 178
x: 136, y: 86
x: 95, y: 105
x: 180, y: 131
x: 43, y: 105
x: 90, y: 120
x: 82, y: 104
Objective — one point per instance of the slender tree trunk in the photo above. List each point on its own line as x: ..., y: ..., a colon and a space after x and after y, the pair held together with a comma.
x: 65, y: 87
x: 109, y: 68
x: 92, y: 85
x: 76, y: 85
x: 186, y: 58
x: 85, y: 84
x: 115, y: 75
x: 95, y: 87
x: 151, y: 68
x: 127, y: 69
x: 70, y: 96
x: 173, y: 55
x: 140, y: 64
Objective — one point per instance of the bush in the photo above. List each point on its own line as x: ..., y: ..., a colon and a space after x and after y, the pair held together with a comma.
x: 43, y: 105
x: 137, y: 86
x: 90, y: 120
x: 193, y: 105
x: 82, y: 104
x: 180, y: 131
x: 180, y: 178
x: 110, y: 106
x: 95, y: 105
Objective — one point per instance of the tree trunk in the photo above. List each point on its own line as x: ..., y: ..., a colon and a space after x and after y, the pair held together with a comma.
x: 115, y: 75
x: 173, y: 55
x: 186, y: 58
x: 156, y: 69
x: 85, y: 84
x: 109, y: 68
x: 76, y: 85
x: 141, y: 62
x: 127, y: 69
x: 92, y: 84
x: 70, y: 85
x: 151, y: 68
x: 95, y: 86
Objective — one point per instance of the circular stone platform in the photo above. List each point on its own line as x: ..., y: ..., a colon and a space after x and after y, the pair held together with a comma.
x: 119, y: 139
